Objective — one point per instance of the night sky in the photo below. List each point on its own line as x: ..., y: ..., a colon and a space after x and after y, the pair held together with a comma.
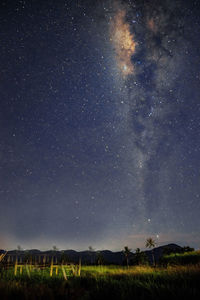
x: 99, y: 123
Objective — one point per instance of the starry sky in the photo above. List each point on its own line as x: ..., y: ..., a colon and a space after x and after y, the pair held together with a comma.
x: 99, y: 123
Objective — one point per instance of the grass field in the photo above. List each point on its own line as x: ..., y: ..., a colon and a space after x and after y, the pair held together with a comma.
x: 104, y: 282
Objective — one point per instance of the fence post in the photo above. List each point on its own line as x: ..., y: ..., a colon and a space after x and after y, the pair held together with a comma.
x: 79, y: 267
x: 27, y: 270
x: 15, y: 271
x: 21, y: 268
x: 51, y: 268
x: 64, y: 273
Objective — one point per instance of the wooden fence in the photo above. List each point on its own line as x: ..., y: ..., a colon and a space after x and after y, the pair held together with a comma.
x: 26, y: 265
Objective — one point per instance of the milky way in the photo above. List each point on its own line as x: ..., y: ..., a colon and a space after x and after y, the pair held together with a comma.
x: 99, y: 140
x: 155, y: 68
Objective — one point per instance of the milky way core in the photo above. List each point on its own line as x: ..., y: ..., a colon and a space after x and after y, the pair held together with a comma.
x: 123, y: 42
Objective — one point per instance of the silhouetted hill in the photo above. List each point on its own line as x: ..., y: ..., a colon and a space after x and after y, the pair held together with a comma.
x: 90, y: 257
x: 159, y: 251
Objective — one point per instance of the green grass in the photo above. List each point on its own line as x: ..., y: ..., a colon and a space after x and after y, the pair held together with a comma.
x: 186, y: 258
x: 104, y: 282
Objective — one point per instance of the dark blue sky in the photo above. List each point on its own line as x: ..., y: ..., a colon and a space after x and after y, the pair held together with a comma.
x: 100, y: 123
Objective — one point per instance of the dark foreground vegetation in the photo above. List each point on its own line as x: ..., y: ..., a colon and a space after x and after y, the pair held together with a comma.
x: 186, y: 258
x: 174, y: 276
x: 103, y: 282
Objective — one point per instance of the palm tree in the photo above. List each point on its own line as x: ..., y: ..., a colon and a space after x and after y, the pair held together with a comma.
x: 137, y: 251
x: 127, y: 253
x: 140, y: 257
x: 151, y: 243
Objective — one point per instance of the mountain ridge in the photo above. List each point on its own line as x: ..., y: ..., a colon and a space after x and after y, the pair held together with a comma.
x: 90, y: 257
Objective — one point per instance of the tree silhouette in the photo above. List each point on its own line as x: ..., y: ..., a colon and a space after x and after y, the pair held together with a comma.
x: 55, y: 248
x: 64, y: 257
x: 19, y: 248
x: 99, y: 258
x: 27, y: 256
x: 187, y: 249
x: 150, y: 243
x: 91, y: 250
x: 140, y: 257
x: 127, y: 253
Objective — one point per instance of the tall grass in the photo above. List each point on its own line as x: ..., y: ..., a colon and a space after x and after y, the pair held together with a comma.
x: 104, y: 282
